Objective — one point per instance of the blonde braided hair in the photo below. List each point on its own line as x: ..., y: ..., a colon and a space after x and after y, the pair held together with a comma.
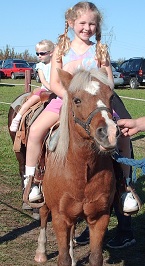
x: 71, y: 15
x: 63, y: 40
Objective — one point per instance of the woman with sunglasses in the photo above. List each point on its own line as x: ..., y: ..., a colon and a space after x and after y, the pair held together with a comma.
x: 44, y: 51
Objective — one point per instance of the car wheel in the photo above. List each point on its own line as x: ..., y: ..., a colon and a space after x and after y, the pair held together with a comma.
x: 133, y: 83
x: 13, y: 76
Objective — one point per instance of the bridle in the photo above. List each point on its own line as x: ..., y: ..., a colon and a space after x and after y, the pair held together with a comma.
x: 86, y: 125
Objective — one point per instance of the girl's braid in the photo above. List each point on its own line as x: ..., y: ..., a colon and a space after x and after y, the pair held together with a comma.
x: 63, y: 40
x: 102, y: 54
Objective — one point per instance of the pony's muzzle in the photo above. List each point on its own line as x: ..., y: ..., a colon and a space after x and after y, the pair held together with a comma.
x: 107, y: 136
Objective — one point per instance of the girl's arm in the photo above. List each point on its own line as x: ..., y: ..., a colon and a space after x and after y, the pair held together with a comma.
x: 110, y: 74
x: 42, y: 79
x: 108, y: 68
x: 55, y: 84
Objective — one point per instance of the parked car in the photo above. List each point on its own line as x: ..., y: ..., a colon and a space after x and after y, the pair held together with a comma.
x: 1, y: 63
x: 118, y: 79
x: 115, y: 65
x: 1, y: 75
x: 15, y: 68
x: 133, y: 71
x: 35, y: 72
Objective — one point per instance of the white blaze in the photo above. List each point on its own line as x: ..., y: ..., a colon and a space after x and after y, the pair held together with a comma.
x: 111, y: 125
x: 93, y: 88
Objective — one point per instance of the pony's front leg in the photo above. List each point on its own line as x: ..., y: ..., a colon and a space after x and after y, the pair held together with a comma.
x: 40, y: 255
x: 97, y: 233
x: 62, y: 232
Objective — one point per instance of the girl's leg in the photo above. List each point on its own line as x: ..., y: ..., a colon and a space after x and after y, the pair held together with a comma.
x: 37, y: 133
x: 30, y: 102
x: 36, y: 136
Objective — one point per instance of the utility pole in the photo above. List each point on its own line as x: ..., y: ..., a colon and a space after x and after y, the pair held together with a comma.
x: 107, y: 38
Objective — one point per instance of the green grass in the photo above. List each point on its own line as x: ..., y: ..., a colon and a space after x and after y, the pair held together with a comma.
x: 18, y: 250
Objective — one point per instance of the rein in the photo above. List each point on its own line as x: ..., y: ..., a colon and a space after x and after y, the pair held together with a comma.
x: 86, y: 125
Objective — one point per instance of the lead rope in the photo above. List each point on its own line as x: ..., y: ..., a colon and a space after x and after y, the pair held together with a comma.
x: 132, y: 162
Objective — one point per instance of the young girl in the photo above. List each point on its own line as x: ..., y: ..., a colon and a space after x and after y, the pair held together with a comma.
x: 84, y: 19
x: 44, y: 51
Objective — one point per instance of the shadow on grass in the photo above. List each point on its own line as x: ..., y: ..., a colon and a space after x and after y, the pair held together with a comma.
x: 138, y: 137
x: 6, y: 85
x: 21, y: 230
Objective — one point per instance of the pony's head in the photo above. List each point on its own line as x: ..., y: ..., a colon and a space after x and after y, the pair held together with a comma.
x: 87, y: 107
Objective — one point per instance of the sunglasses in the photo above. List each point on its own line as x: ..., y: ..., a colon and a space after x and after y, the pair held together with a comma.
x: 42, y: 53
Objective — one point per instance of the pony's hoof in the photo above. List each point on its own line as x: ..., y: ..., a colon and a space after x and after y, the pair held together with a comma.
x: 40, y: 257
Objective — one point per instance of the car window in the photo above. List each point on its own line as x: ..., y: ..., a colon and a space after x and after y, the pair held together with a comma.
x: 135, y: 64
x: 130, y: 66
x: 113, y: 69
x: 8, y: 65
x: 123, y: 66
x: 22, y: 65
x: 8, y: 61
x: 1, y: 61
x: 116, y: 65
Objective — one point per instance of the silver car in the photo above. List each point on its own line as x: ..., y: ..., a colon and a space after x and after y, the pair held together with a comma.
x: 118, y: 79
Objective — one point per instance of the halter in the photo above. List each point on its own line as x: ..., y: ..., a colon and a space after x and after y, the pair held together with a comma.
x: 86, y: 125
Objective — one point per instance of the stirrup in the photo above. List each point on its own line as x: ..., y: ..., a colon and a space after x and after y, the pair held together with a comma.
x: 26, y: 195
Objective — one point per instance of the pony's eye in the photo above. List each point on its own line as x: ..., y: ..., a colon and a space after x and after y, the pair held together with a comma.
x: 77, y: 100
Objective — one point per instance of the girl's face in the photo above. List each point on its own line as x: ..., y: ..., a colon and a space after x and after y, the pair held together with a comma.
x: 85, y: 25
x: 43, y: 54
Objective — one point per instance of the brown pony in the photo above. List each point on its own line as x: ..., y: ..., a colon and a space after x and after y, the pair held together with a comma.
x: 79, y: 179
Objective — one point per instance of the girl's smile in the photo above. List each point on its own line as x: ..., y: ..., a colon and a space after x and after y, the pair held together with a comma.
x: 85, y: 26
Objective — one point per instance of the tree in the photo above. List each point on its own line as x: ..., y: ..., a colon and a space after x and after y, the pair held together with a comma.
x: 10, y: 53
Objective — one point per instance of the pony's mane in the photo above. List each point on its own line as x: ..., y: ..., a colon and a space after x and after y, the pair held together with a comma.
x: 82, y: 80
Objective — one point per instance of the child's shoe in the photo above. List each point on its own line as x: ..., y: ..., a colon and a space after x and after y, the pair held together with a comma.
x: 35, y: 193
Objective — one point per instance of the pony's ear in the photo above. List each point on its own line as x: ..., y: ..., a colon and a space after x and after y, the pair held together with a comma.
x: 65, y: 77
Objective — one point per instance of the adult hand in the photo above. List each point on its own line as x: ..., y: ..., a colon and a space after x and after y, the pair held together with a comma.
x: 128, y: 127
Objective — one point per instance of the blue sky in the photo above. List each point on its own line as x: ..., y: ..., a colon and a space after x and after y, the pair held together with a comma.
x: 24, y: 23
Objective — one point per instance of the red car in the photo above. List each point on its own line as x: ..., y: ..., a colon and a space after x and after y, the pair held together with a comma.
x: 15, y: 68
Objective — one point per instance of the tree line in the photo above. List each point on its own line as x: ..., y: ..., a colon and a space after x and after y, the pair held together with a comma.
x: 10, y: 53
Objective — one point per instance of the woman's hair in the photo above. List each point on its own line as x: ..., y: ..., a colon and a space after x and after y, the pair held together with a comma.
x: 49, y: 45
x: 71, y: 15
